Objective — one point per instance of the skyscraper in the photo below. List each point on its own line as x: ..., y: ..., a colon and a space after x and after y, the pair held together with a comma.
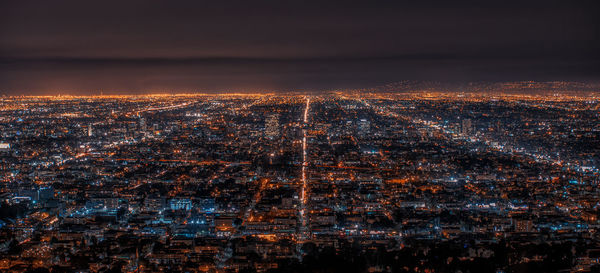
x: 466, y: 127
x: 272, y: 126
x: 142, y: 125
x: 364, y: 127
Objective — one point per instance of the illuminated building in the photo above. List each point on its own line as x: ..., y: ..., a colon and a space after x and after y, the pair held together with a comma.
x: 272, y: 126
x: 364, y: 127
x: 466, y: 127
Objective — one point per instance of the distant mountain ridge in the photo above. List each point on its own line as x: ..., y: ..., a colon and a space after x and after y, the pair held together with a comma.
x: 530, y: 87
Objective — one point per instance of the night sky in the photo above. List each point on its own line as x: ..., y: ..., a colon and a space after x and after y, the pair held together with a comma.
x: 82, y: 47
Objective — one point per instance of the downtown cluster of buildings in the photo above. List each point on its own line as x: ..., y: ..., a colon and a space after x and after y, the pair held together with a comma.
x: 238, y: 183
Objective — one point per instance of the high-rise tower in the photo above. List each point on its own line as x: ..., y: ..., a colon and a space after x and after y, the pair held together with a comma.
x: 466, y: 127
x: 272, y: 126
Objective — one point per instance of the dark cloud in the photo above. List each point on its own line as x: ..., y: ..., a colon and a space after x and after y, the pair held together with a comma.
x: 136, y: 46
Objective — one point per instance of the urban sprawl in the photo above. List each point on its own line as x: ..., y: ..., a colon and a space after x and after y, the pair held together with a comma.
x: 329, y: 182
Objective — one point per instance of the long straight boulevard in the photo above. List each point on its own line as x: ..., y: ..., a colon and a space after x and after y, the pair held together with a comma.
x: 304, y: 229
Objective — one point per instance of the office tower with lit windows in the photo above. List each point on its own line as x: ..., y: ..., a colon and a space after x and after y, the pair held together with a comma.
x: 466, y: 127
x: 272, y: 126
x: 364, y: 127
